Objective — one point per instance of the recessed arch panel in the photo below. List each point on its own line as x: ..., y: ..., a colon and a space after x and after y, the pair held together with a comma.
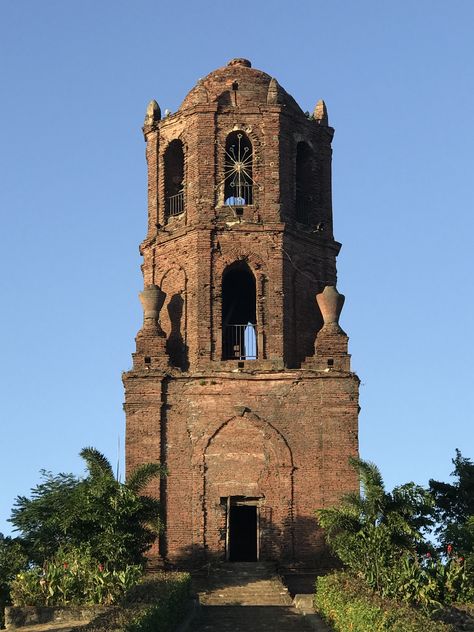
x: 246, y: 457
x: 173, y: 316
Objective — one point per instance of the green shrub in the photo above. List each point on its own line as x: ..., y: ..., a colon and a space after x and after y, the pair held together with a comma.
x: 349, y: 605
x: 415, y: 581
x: 168, y: 610
x: 156, y: 604
x: 73, y: 577
x: 427, y: 582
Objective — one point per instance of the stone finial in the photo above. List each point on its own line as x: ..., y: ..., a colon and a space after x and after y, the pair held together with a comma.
x: 240, y: 61
x: 272, y: 94
x: 152, y: 299
x: 201, y: 95
x: 330, y: 303
x: 321, y: 113
x: 153, y: 113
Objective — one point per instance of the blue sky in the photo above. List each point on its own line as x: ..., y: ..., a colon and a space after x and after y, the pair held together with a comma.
x: 76, y: 75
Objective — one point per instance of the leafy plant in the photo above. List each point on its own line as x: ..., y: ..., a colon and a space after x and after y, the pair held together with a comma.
x: 72, y: 577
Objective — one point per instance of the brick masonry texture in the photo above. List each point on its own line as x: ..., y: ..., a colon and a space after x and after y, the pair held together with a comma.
x: 278, y: 429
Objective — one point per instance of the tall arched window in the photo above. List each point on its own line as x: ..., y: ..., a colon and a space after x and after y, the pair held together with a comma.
x: 239, y: 315
x: 174, y: 178
x: 238, y: 165
x: 304, y: 184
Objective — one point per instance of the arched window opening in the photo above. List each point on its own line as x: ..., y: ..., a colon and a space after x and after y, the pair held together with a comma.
x: 239, y: 315
x: 174, y: 179
x: 238, y: 165
x: 304, y: 183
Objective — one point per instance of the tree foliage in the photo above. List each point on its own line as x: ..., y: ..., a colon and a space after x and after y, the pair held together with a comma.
x: 455, y: 507
x: 115, y: 522
x: 13, y: 559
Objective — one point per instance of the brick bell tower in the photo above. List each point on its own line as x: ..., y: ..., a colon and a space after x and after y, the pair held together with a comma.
x: 241, y: 382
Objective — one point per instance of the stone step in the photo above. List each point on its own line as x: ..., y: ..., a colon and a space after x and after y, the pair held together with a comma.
x: 216, y: 601
x: 248, y: 597
x: 250, y: 619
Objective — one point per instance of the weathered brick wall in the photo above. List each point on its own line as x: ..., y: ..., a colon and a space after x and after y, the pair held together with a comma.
x: 284, y: 437
x: 279, y: 429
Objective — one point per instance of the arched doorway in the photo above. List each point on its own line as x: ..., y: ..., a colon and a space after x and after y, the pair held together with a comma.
x: 239, y: 317
x: 174, y: 179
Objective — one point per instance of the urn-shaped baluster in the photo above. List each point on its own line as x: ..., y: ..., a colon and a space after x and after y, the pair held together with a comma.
x: 330, y: 303
x: 152, y: 299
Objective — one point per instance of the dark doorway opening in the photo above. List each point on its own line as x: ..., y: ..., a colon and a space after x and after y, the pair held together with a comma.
x: 239, y: 339
x: 174, y: 179
x: 243, y: 533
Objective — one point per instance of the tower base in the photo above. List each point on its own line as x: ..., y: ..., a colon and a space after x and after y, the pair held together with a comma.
x: 250, y: 454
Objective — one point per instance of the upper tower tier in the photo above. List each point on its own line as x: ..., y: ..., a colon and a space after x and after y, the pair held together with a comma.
x: 239, y: 221
x: 239, y: 147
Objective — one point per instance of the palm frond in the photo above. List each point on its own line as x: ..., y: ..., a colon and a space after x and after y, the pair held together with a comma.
x: 336, y: 520
x: 370, y: 477
x: 96, y: 462
x: 143, y: 474
x: 353, y: 503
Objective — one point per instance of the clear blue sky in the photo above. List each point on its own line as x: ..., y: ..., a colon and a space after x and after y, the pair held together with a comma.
x: 76, y: 76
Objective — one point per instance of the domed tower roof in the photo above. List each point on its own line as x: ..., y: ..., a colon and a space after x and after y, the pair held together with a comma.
x: 238, y: 83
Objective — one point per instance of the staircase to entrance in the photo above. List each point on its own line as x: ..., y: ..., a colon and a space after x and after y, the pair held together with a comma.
x: 248, y: 597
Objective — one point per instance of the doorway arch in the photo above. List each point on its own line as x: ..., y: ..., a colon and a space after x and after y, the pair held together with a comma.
x: 246, y: 464
x: 239, y: 313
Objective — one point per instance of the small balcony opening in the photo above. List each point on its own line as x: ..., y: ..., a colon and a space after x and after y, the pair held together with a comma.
x: 239, y: 320
x: 238, y: 165
x: 304, y: 184
x: 174, y: 179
